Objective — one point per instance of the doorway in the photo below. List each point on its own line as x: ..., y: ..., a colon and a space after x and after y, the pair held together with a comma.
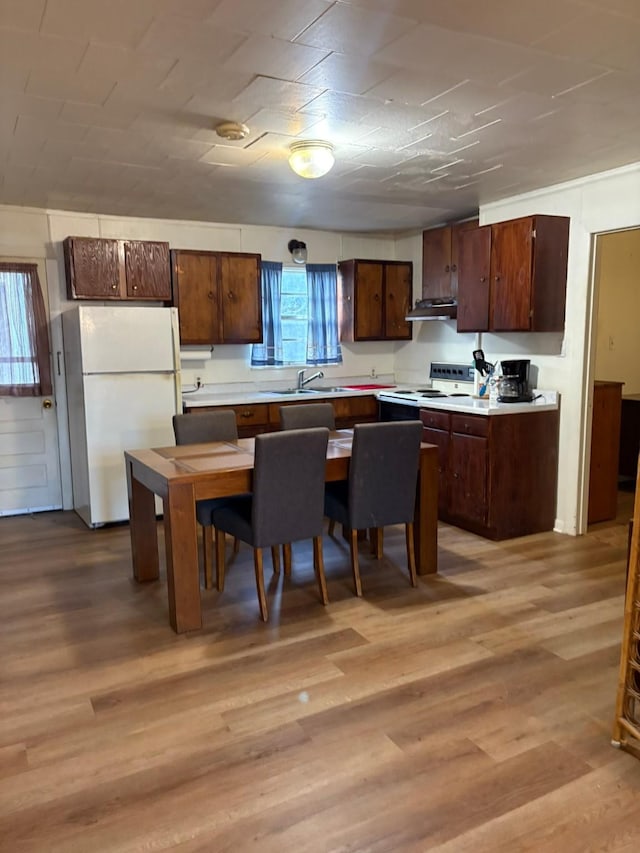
x: 616, y: 375
x: 30, y: 479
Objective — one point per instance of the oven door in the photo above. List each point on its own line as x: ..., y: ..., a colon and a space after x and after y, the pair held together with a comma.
x: 397, y: 412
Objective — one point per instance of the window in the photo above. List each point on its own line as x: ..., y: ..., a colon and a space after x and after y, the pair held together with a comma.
x: 300, y: 316
x: 24, y: 338
x: 294, y: 315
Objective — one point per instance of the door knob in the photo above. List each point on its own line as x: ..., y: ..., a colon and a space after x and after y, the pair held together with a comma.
x: 46, y: 404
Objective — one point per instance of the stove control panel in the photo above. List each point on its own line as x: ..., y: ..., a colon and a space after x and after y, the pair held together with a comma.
x: 452, y: 372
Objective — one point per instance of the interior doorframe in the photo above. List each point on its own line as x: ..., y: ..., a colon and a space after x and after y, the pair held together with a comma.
x: 589, y: 370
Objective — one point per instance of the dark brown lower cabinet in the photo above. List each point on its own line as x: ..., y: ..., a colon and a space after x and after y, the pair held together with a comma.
x: 255, y: 418
x: 498, y: 473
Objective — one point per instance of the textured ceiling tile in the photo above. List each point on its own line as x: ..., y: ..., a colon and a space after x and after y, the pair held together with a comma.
x: 554, y: 76
x: 184, y: 38
x: 34, y: 51
x: 23, y: 14
x: 71, y: 87
x: 97, y: 115
x: 282, y: 18
x: 130, y: 95
x: 287, y: 124
x: 353, y: 108
x: 350, y: 74
x: 203, y: 77
x: 411, y: 87
x: 122, y: 64
x: 198, y: 9
x: 30, y: 127
x: 348, y: 29
x: 336, y: 131
x: 116, y: 22
x: 277, y: 94
x: 590, y: 37
x: 274, y: 57
x: 226, y: 155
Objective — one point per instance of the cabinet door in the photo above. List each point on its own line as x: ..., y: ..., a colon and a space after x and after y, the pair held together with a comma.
x: 195, y: 293
x: 436, y: 263
x: 240, y: 298
x: 368, y: 301
x: 398, y: 284
x: 468, y: 477
x: 148, y: 270
x: 474, y: 261
x: 511, y: 275
x: 94, y: 268
x: 440, y: 438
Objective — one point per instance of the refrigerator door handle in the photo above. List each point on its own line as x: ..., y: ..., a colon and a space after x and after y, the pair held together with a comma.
x: 175, y: 332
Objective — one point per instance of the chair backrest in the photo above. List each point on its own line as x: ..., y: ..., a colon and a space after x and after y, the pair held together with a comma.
x: 307, y: 415
x: 288, y: 485
x: 205, y: 426
x: 383, y: 473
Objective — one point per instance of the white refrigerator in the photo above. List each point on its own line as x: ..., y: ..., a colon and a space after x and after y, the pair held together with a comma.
x: 123, y: 387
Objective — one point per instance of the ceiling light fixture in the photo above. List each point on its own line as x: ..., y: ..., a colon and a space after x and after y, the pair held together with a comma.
x: 232, y: 130
x: 311, y: 159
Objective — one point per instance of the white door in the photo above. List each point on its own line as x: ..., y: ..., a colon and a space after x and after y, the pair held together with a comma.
x: 29, y: 455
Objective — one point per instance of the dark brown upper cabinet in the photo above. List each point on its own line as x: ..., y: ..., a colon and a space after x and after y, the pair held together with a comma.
x: 373, y: 300
x: 218, y: 296
x: 98, y: 268
x: 513, y: 276
x: 440, y: 262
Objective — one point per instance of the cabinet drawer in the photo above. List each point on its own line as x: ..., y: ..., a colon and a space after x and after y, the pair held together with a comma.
x: 470, y: 425
x: 252, y: 414
x: 434, y: 419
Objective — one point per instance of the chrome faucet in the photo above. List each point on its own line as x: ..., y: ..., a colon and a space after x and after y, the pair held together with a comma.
x: 302, y: 381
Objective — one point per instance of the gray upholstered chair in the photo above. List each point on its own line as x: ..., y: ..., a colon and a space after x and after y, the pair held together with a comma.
x: 193, y: 429
x: 307, y: 415
x: 381, y: 488
x: 286, y: 503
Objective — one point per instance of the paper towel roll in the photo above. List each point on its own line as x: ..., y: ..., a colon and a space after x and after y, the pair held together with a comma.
x: 195, y: 354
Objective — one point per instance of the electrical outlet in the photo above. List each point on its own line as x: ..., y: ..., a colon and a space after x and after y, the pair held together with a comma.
x: 198, y: 382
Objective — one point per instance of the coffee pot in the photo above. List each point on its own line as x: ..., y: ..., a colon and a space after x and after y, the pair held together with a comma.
x: 513, y: 385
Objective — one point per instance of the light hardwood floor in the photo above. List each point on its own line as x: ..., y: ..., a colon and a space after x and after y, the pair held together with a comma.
x: 470, y: 714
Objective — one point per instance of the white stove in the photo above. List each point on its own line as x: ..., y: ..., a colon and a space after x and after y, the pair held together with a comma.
x: 447, y: 380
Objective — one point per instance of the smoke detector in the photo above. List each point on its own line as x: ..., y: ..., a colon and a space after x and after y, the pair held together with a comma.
x: 232, y: 130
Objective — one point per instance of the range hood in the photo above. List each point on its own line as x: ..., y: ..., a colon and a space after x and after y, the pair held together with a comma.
x: 434, y: 309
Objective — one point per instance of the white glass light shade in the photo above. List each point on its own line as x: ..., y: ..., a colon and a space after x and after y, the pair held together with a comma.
x: 311, y: 159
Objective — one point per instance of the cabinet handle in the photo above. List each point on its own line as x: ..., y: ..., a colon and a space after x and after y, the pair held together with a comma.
x: 455, y: 476
x: 453, y: 267
x: 135, y: 287
x: 246, y: 414
x: 210, y: 294
x: 497, y: 278
x: 482, y: 278
x: 229, y: 295
x: 377, y: 297
x: 114, y: 287
x: 446, y: 269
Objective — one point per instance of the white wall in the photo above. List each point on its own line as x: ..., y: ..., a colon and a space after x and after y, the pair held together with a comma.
x: 617, y: 284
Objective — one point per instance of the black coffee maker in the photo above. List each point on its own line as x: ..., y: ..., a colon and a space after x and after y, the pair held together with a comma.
x: 513, y: 385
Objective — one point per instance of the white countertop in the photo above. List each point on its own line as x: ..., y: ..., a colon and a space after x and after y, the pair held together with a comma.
x: 545, y: 400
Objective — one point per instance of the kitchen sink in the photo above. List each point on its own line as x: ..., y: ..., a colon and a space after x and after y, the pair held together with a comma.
x: 324, y: 389
x: 290, y: 391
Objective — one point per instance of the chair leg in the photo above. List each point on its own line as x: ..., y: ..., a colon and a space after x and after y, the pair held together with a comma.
x: 286, y: 554
x: 411, y: 555
x: 332, y: 526
x: 262, y: 598
x: 318, y: 565
x: 275, y: 559
x: 376, y: 534
x: 236, y: 545
x: 220, y: 539
x: 207, y: 553
x: 355, y: 568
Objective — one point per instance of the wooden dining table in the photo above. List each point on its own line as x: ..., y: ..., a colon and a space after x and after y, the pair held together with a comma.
x: 188, y: 473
